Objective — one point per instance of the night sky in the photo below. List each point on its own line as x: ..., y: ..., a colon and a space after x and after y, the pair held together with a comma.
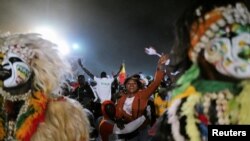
x: 108, y: 31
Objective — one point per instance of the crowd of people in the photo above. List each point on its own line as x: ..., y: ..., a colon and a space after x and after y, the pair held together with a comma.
x: 122, y: 108
x: 211, y: 55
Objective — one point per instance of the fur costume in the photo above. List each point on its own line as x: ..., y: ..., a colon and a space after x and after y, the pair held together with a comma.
x: 31, y: 70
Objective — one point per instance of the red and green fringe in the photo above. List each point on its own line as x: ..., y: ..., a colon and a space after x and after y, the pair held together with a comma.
x: 28, y: 122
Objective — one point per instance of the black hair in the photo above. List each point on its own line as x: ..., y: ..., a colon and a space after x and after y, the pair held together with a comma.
x: 81, y: 80
x: 103, y: 74
x: 81, y: 76
x: 136, y: 79
x: 110, y: 110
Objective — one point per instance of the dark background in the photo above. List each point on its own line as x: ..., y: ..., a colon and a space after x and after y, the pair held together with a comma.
x: 107, y: 31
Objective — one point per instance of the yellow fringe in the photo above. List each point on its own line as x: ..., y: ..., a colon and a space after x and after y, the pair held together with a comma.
x: 189, y: 91
x: 38, y: 102
x: 244, y: 99
x: 188, y: 109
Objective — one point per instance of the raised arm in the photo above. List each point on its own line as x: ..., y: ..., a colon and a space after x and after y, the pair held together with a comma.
x: 160, y: 72
x: 85, y: 69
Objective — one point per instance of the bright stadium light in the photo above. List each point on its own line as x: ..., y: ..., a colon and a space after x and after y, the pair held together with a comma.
x: 51, y: 35
x: 75, y: 46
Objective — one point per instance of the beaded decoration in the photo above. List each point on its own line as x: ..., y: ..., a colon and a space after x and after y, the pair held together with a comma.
x: 8, y: 96
x: 221, y: 99
x: 21, y: 50
x: 28, y: 119
x: 210, y: 27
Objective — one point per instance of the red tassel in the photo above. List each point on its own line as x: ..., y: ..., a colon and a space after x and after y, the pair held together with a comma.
x: 203, y: 119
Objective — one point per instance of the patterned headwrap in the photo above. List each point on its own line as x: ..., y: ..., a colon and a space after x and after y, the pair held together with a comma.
x: 224, y: 35
x: 209, y: 27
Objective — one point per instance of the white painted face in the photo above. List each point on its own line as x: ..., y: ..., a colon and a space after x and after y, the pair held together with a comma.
x: 19, y: 70
x: 231, y: 55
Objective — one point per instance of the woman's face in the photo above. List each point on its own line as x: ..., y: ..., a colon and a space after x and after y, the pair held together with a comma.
x: 131, y: 86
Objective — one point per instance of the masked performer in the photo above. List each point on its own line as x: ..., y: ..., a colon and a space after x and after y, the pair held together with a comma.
x: 30, y: 70
x: 215, y: 36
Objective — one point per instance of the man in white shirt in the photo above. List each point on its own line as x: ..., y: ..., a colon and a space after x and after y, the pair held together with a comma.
x: 103, y: 86
x: 103, y: 83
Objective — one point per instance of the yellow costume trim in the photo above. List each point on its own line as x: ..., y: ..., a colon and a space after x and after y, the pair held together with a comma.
x: 188, y: 110
x: 189, y: 91
x: 244, y: 100
x: 29, y: 119
x: 38, y: 102
x: 160, y: 105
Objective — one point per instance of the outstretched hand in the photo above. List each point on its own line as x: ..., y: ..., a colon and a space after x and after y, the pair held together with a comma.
x: 163, y: 59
